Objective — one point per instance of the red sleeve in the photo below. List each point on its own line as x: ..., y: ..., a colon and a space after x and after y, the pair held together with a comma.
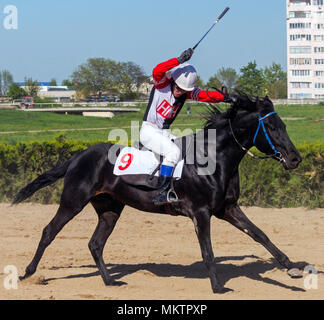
x: 159, y: 73
x: 201, y: 95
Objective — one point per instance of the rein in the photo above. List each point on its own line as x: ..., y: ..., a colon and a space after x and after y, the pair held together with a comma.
x: 276, y: 153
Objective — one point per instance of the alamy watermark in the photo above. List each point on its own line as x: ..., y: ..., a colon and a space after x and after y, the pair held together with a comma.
x: 11, y: 280
x: 311, y: 280
x: 10, y: 17
x: 200, y: 147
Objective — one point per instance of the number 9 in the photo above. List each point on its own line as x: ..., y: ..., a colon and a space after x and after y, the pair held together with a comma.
x: 126, y: 162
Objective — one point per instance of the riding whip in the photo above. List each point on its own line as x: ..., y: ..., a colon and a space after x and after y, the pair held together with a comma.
x: 217, y: 20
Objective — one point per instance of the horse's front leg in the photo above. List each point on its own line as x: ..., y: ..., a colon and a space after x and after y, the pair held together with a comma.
x: 202, y: 228
x: 235, y: 216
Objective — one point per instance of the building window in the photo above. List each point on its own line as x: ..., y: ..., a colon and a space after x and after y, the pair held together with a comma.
x: 318, y: 49
x: 300, y: 25
x: 300, y: 73
x: 319, y: 26
x: 319, y: 96
x: 319, y: 61
x: 300, y: 14
x: 317, y: 2
x: 300, y: 96
x: 319, y: 85
x: 300, y: 61
x: 300, y: 49
x: 319, y: 73
x: 298, y: 85
x: 300, y: 37
x: 300, y: 2
x: 319, y: 38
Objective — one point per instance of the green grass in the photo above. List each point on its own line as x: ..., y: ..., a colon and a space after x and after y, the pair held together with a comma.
x: 305, y: 130
x: 310, y: 112
x: 21, y: 123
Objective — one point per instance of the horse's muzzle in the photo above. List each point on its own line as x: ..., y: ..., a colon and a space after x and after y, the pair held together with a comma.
x: 291, y: 161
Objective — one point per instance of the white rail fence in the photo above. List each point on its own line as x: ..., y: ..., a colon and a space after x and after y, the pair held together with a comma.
x: 137, y: 103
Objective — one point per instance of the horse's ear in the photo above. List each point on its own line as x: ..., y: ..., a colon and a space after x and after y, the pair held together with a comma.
x: 257, y: 104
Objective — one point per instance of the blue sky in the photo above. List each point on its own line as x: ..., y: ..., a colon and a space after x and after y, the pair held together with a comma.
x: 54, y: 37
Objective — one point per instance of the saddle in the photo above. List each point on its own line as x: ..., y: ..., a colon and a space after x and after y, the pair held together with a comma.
x: 139, y: 166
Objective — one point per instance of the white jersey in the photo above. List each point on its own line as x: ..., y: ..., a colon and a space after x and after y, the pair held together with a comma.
x: 163, y: 107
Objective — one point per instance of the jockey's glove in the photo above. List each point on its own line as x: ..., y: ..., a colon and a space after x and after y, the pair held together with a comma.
x: 185, y: 55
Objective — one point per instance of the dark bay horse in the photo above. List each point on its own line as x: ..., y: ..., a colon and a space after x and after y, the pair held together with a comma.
x: 88, y: 177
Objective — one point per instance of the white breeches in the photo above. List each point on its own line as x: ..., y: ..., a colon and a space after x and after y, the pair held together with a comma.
x: 159, y: 141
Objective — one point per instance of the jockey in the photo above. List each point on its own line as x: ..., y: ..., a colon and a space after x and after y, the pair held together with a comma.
x: 170, y: 91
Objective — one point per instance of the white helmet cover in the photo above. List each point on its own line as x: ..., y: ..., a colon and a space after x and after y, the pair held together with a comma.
x: 185, y: 77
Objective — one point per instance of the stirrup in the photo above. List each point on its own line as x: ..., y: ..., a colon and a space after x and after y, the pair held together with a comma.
x: 172, y: 196
x: 168, y: 197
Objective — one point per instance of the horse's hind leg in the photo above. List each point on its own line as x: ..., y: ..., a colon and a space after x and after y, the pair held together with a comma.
x: 63, y: 216
x: 108, y: 211
x: 235, y: 216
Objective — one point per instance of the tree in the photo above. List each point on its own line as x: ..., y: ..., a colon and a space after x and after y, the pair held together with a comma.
x: 125, y: 81
x: 274, y: 73
x: 53, y: 82
x: 199, y: 83
x: 6, y: 79
x: 99, y: 75
x: 16, y: 92
x: 251, y: 80
x: 276, y: 81
x: 133, y: 75
x: 228, y: 77
x: 277, y: 90
x: 67, y: 83
x: 31, y: 87
x: 95, y: 76
x: 214, y: 82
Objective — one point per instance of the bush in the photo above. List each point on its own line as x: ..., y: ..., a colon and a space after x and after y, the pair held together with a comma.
x: 129, y: 96
x: 22, y: 163
x: 43, y: 100
x: 263, y: 182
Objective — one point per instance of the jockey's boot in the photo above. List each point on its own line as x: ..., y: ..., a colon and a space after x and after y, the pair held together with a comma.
x: 165, y: 195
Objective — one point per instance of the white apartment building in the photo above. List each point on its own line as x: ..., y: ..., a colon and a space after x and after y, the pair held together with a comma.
x: 305, y: 49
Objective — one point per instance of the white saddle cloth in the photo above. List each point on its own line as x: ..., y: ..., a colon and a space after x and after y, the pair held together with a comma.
x: 135, y: 161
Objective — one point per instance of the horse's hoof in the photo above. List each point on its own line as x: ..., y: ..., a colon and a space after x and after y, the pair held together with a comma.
x: 21, y: 278
x: 116, y: 283
x: 295, y: 273
x: 221, y: 290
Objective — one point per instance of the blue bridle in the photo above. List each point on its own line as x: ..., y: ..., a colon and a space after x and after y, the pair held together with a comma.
x: 276, y: 154
x: 265, y: 131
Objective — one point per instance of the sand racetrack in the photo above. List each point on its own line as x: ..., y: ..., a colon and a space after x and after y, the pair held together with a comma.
x: 158, y: 256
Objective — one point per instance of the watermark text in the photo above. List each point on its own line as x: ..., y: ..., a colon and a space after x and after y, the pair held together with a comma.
x: 10, y: 17
x: 11, y: 280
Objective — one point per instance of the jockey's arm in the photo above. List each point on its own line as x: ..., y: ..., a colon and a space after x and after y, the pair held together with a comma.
x: 160, y: 77
x: 201, y: 95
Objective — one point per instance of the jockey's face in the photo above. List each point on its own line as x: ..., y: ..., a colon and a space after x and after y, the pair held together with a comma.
x: 177, y: 91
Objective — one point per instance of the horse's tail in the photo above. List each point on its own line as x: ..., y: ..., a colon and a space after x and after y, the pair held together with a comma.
x: 42, y: 181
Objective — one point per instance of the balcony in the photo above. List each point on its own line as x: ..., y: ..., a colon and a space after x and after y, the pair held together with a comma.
x: 299, y: 2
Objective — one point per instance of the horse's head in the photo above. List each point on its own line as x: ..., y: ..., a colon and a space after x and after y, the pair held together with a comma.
x: 271, y: 137
x: 254, y: 122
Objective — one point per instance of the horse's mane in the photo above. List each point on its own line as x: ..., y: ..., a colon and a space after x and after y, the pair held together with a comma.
x: 214, y: 116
